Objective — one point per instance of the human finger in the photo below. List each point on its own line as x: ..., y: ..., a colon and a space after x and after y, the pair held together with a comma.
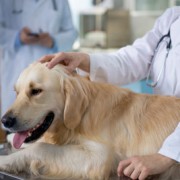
x: 26, y: 30
x: 58, y: 58
x: 143, y: 175
x: 129, y: 170
x: 24, y: 35
x: 122, y: 165
x: 71, y: 67
x: 46, y: 58
x: 135, y: 174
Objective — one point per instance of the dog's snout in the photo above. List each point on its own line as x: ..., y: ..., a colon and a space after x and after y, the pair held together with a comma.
x: 8, y: 120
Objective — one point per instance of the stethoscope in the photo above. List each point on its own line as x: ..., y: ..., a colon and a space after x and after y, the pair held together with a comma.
x: 164, y: 39
x: 19, y: 10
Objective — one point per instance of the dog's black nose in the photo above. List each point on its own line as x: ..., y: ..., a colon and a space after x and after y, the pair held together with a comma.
x: 8, y: 120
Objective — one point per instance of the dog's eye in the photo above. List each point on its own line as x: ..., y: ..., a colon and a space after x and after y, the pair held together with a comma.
x: 35, y: 92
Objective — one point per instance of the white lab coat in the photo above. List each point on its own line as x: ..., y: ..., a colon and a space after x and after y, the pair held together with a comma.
x: 38, y: 15
x: 132, y: 63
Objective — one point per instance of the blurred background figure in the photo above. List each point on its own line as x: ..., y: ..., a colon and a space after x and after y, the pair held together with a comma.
x: 28, y: 30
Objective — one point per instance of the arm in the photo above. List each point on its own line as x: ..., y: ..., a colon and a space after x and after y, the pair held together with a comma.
x: 171, y: 146
x: 8, y: 38
x: 130, y: 63
x: 140, y: 167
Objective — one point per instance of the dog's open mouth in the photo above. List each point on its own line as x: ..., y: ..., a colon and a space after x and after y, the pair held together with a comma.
x: 34, y: 133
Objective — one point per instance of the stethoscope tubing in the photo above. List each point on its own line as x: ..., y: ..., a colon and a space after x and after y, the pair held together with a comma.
x: 168, y: 46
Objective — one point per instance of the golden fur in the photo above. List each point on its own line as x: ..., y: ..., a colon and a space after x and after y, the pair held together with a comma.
x: 95, y: 125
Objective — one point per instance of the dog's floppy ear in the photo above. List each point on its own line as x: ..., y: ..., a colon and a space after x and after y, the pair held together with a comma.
x: 75, y: 103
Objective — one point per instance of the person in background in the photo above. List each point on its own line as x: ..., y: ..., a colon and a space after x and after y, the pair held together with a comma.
x: 157, y: 55
x: 30, y: 29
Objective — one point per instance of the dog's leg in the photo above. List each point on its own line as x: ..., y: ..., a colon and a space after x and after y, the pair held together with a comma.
x: 90, y: 160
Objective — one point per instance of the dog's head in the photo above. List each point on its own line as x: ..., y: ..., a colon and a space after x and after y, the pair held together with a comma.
x: 45, y: 99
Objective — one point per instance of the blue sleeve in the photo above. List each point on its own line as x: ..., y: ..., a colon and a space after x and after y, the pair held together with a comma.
x: 18, y: 42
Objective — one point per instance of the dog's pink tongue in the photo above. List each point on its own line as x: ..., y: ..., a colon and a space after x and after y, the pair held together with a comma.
x: 19, y: 139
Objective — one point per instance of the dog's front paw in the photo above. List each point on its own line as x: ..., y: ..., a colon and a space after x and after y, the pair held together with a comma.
x: 3, y: 163
x: 7, y: 164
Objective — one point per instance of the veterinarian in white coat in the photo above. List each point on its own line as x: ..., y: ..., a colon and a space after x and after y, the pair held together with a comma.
x: 133, y: 63
x: 51, y: 19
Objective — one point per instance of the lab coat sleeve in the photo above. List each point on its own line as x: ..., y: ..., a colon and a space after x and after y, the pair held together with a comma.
x: 130, y: 63
x: 67, y: 33
x: 8, y: 38
x: 171, y: 146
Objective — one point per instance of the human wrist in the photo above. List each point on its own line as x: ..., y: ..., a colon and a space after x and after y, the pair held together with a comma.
x: 50, y: 43
x: 169, y: 161
x: 85, y: 62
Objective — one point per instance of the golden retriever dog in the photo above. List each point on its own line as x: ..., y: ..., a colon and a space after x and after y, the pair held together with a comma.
x: 82, y: 129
